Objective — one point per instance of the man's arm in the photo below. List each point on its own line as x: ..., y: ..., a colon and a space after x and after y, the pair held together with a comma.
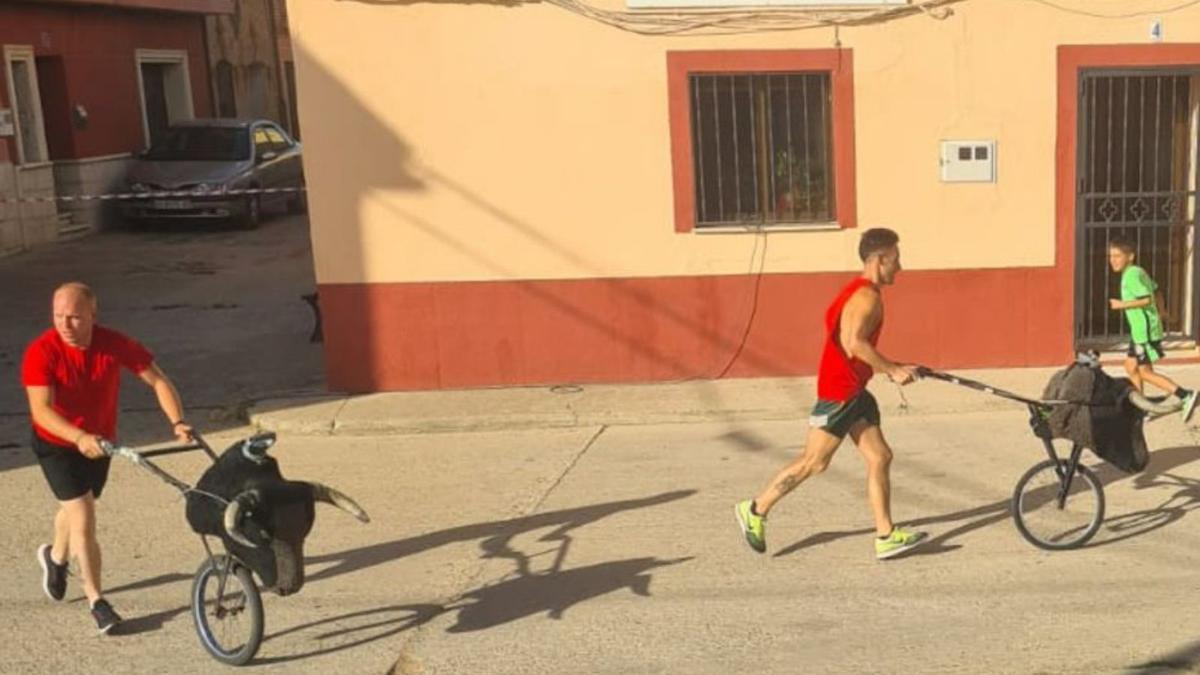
x: 168, y: 399
x: 860, y: 317
x: 1160, y: 304
x: 1130, y: 304
x: 42, y: 411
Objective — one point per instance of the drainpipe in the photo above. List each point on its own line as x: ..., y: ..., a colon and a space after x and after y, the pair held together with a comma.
x: 210, y: 24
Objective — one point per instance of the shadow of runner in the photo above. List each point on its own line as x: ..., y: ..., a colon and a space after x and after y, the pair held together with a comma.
x: 1129, y: 524
x: 149, y: 622
x: 508, y: 600
x: 495, y: 535
x: 167, y: 578
x: 495, y: 538
x: 1184, y: 659
x: 389, y: 621
x: 553, y: 592
x: 133, y: 625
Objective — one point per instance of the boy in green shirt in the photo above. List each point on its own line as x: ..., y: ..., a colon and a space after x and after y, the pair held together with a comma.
x: 1139, y: 301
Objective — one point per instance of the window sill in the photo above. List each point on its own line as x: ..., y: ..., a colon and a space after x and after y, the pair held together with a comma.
x: 755, y: 229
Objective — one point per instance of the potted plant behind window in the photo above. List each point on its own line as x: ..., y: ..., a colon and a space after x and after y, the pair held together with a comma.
x: 800, y: 188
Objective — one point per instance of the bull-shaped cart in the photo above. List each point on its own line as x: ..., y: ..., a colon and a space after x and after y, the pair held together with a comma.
x: 261, y: 519
x: 1059, y: 503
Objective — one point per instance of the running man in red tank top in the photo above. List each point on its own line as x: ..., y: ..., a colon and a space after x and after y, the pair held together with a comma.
x: 853, y: 323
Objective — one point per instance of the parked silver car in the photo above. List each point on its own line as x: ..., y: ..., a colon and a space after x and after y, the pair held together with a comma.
x: 207, y: 158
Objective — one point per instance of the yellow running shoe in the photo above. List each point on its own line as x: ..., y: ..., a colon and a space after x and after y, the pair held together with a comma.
x: 899, y: 541
x: 752, y: 526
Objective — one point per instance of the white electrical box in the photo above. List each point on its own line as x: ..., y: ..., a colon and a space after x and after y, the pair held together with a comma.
x: 968, y: 161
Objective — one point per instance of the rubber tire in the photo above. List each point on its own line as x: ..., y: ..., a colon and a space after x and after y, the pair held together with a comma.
x: 254, y: 611
x: 252, y: 215
x: 1081, y: 472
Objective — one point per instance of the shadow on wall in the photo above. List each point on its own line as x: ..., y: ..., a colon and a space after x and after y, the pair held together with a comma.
x: 342, y: 131
x: 422, y: 330
x: 515, y: 331
x: 597, y: 328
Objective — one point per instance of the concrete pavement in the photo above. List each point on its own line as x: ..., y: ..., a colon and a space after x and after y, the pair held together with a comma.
x: 613, y: 549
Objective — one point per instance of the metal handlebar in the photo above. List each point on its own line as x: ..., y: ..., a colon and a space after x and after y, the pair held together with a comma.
x: 925, y: 371
x: 120, y: 451
x: 141, y: 458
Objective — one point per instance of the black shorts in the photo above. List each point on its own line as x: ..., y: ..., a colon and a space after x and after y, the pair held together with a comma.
x: 1145, y: 353
x: 69, y: 473
x: 836, y: 417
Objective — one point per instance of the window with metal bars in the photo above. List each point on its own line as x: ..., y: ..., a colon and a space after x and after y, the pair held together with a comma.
x: 762, y: 148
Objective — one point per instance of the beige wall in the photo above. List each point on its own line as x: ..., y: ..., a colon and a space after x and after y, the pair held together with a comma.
x: 473, y: 142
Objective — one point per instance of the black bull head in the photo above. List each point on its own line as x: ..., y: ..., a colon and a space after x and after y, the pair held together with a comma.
x: 263, y: 518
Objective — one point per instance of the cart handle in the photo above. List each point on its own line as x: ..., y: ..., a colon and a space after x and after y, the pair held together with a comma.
x: 924, y: 371
x: 114, y: 450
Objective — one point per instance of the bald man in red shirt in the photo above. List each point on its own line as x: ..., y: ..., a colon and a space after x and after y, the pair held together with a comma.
x: 72, y: 375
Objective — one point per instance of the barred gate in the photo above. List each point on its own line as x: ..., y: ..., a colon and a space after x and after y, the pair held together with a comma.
x: 1137, y: 179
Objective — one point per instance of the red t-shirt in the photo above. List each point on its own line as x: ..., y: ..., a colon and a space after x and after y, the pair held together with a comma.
x: 841, y: 376
x: 84, y: 383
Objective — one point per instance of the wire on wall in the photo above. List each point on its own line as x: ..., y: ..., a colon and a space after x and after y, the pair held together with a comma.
x: 1116, y: 15
x: 757, y: 275
x: 692, y: 21
x: 724, y: 21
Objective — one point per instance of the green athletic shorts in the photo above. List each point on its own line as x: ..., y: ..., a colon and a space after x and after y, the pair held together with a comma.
x: 836, y: 417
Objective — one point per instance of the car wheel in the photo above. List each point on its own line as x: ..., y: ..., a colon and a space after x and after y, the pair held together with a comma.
x: 251, y: 213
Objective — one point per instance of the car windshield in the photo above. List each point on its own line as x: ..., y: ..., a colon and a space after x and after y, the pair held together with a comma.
x: 201, y: 144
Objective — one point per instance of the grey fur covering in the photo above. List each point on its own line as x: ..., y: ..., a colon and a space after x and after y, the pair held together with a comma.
x: 1099, y: 416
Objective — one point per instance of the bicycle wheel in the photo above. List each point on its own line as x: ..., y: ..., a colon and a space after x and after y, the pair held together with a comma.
x: 230, y: 626
x: 1047, y: 524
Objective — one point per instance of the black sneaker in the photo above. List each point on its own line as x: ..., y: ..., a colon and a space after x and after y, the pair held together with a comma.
x: 54, y: 575
x: 106, y: 617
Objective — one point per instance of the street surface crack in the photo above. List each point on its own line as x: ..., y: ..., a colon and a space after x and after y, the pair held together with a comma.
x: 586, y: 446
x: 407, y: 660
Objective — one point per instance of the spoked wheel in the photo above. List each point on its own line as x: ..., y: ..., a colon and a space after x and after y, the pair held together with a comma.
x: 227, y: 610
x: 1046, y: 518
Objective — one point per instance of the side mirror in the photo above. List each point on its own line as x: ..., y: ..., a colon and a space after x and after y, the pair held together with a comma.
x: 267, y: 156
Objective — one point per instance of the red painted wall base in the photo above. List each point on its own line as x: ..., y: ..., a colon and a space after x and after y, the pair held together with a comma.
x: 471, y: 334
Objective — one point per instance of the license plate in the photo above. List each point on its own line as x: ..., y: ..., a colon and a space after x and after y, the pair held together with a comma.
x: 171, y: 204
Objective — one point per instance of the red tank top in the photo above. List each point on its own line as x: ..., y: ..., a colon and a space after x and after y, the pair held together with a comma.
x: 841, y: 377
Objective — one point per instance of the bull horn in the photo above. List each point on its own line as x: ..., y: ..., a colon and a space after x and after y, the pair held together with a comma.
x: 324, y: 493
x: 1140, y: 401
x: 233, y: 514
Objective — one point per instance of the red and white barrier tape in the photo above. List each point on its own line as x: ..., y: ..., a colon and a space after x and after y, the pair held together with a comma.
x: 168, y: 194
